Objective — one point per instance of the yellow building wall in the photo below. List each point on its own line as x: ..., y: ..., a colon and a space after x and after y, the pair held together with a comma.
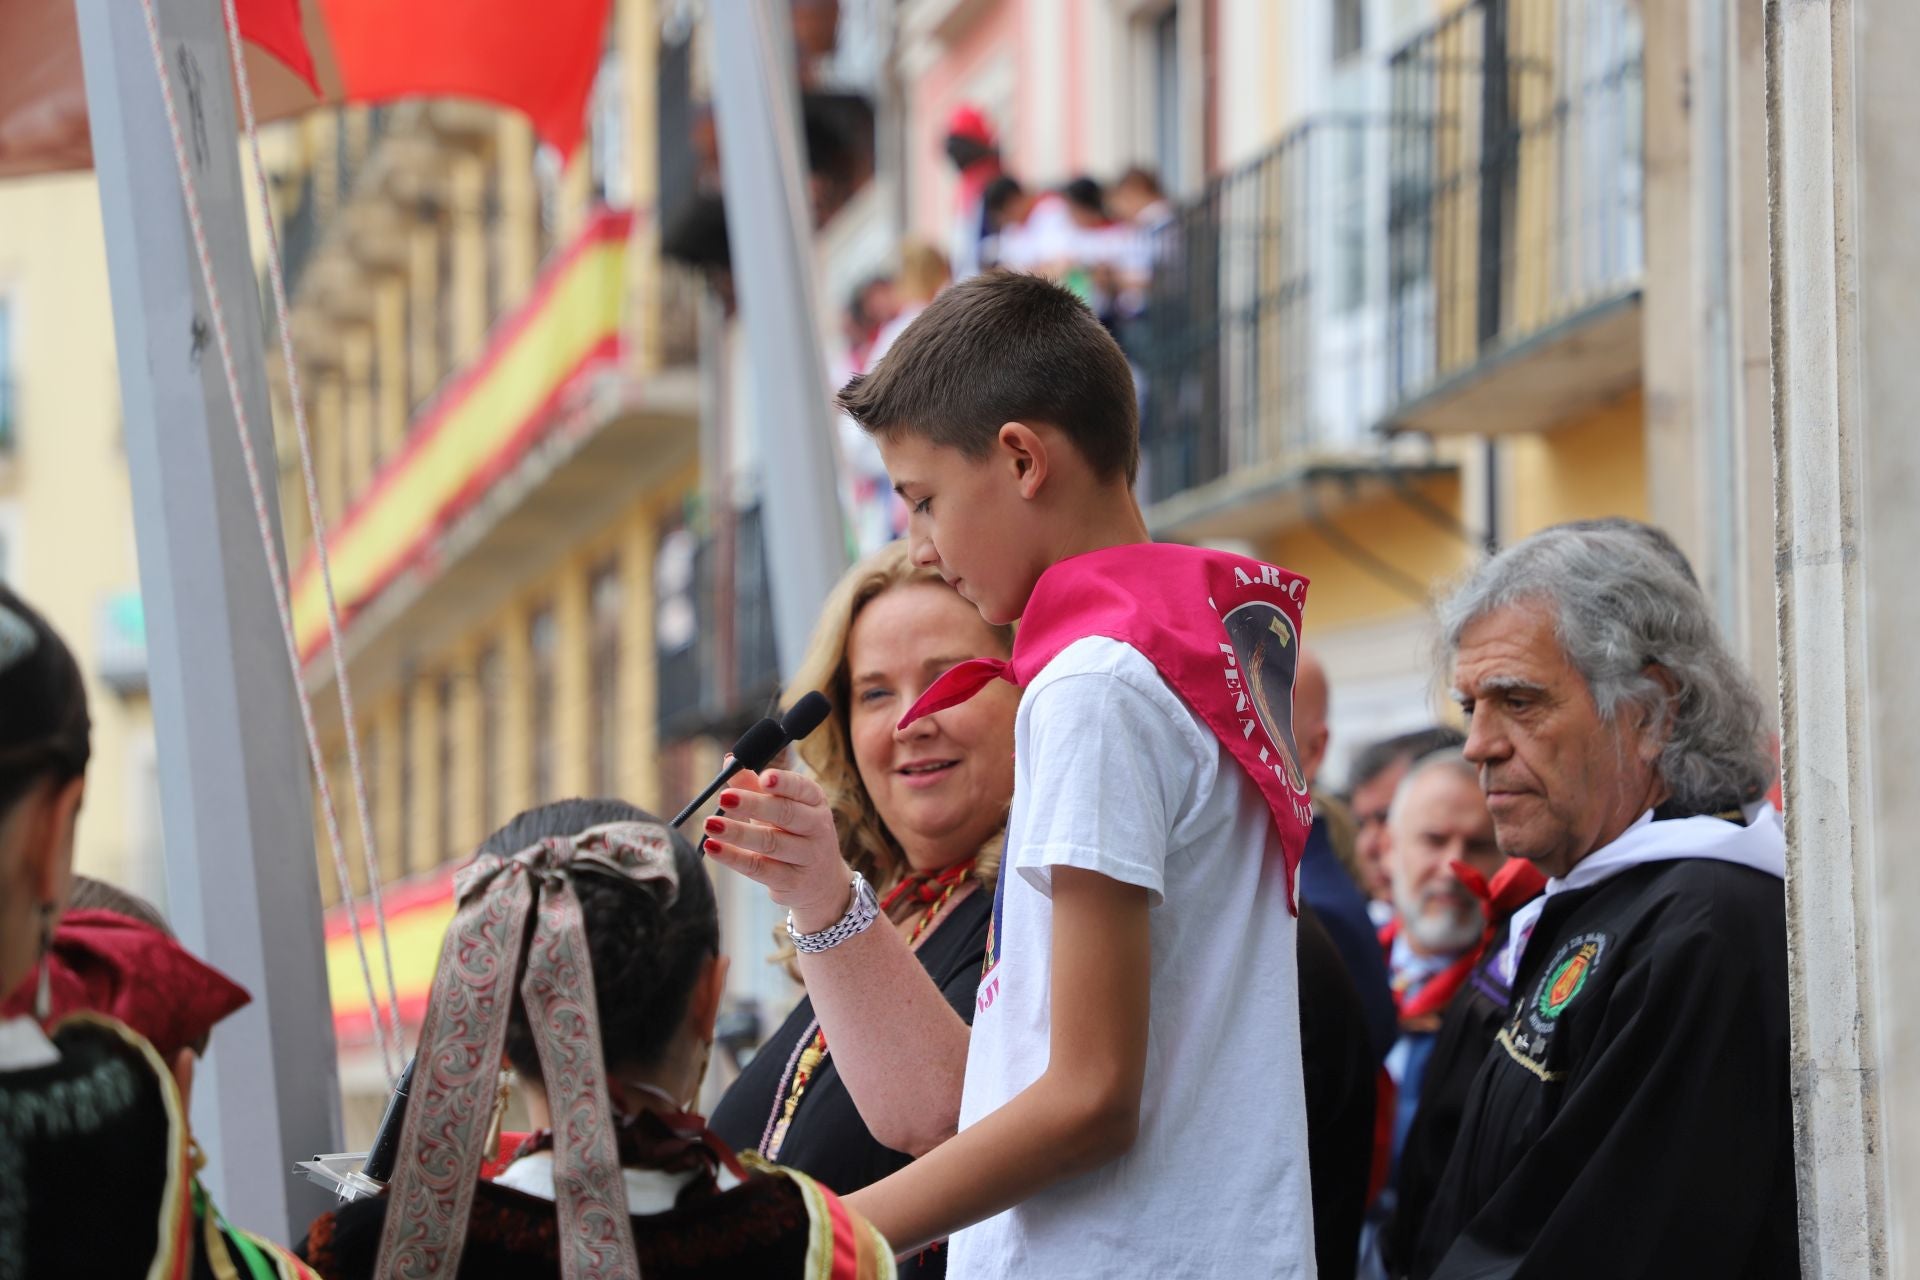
x: 1344, y: 592
x: 1596, y: 466
x: 65, y: 497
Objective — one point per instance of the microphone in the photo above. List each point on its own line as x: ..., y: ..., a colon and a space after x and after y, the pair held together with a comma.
x: 386, y: 1140
x: 754, y: 749
x: 804, y: 716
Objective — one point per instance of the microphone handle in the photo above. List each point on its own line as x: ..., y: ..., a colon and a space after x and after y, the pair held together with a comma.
x: 707, y: 793
x: 386, y: 1139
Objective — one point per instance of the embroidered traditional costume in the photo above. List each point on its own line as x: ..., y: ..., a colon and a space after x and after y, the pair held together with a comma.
x: 439, y: 1219
x: 97, y: 1167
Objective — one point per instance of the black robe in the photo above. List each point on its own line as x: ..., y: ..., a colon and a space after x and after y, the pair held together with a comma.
x: 1633, y: 1117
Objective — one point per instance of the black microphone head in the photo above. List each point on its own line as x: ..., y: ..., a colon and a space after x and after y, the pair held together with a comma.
x: 804, y: 716
x: 759, y: 745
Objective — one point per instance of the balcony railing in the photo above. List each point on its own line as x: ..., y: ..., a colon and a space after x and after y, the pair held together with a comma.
x: 1262, y: 340
x: 714, y: 649
x: 302, y: 226
x: 1516, y: 179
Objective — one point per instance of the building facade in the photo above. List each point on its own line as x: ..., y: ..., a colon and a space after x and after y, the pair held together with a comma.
x: 1428, y: 286
x: 66, y: 509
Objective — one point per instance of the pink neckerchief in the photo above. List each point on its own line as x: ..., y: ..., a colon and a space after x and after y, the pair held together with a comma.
x: 1222, y: 629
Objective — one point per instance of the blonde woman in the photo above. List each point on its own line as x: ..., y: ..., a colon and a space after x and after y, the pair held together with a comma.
x: 920, y: 814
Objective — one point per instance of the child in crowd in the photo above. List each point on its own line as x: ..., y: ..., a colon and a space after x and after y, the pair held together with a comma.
x: 1131, y: 1100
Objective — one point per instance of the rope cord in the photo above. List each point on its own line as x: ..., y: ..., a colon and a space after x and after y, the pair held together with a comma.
x: 277, y: 275
x: 264, y: 522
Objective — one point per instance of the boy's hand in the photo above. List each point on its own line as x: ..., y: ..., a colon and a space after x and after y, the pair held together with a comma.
x: 779, y: 832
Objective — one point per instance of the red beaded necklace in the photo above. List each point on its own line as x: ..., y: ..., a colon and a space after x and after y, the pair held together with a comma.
x: 933, y: 889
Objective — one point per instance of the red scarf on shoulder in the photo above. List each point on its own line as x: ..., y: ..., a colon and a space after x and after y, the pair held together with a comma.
x: 1222, y: 629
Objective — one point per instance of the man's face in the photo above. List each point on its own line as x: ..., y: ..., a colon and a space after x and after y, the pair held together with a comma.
x: 1443, y: 818
x: 969, y: 519
x: 1560, y: 780
x: 1371, y: 800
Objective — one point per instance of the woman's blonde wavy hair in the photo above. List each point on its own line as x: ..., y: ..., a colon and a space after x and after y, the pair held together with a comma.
x: 865, y: 842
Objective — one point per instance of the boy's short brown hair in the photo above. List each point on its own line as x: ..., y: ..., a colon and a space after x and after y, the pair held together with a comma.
x: 1004, y: 347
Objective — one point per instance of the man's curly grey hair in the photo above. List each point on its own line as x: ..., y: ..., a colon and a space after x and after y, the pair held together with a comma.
x: 1623, y: 602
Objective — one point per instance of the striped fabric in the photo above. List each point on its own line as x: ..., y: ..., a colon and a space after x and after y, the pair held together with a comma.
x: 843, y: 1245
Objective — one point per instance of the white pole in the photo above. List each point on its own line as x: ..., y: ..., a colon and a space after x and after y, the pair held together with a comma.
x: 757, y: 105
x: 242, y: 884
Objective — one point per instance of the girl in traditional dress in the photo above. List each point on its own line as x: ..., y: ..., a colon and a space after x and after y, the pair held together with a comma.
x: 585, y: 954
x: 96, y: 1177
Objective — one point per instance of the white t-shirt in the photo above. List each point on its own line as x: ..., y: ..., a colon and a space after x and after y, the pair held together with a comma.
x: 1114, y: 774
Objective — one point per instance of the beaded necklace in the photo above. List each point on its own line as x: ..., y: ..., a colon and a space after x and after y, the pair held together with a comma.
x: 933, y: 889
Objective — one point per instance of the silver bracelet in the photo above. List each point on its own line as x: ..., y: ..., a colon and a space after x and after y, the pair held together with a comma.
x: 861, y: 913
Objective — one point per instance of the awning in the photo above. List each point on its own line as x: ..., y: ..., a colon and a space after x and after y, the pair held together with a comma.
x: 539, y: 59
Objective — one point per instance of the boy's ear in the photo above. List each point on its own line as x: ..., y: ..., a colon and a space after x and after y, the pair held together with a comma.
x: 1026, y: 449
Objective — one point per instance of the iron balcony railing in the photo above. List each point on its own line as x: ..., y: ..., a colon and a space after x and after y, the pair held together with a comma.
x: 303, y: 226
x: 714, y: 656
x: 1516, y: 180
x: 1262, y: 339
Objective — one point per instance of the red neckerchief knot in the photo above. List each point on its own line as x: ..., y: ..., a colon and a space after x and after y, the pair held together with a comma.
x: 1222, y: 630
x: 958, y: 684
x: 1514, y: 885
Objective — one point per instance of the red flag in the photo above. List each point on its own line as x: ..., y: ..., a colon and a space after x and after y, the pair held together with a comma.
x: 539, y: 59
x: 274, y: 25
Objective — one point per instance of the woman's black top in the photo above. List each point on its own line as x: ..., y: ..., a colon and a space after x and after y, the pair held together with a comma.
x: 827, y: 1139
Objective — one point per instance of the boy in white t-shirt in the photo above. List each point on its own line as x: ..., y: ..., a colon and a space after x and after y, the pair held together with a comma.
x: 1129, y: 1099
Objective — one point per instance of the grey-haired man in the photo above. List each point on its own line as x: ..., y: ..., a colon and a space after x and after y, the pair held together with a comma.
x: 1633, y: 1116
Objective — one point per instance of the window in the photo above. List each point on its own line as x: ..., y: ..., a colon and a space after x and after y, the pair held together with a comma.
x: 488, y: 677
x: 606, y: 600
x: 612, y: 183
x: 443, y: 299
x: 6, y: 378
x: 548, y: 176
x: 443, y: 768
x: 1166, y: 98
x: 406, y: 778
x: 1349, y: 28
x: 370, y: 778
x: 9, y: 537
x: 541, y: 644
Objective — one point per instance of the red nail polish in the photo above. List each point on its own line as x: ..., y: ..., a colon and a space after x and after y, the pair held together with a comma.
x: 729, y: 799
x: 716, y: 825
x: 710, y: 846
x: 771, y: 780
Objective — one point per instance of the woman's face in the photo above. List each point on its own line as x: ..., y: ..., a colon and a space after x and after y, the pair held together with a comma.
x: 943, y: 784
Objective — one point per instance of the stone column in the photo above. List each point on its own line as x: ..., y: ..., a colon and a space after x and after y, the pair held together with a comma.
x: 1842, y: 175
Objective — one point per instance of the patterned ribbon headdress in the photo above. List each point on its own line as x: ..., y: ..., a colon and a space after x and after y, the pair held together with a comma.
x: 500, y: 900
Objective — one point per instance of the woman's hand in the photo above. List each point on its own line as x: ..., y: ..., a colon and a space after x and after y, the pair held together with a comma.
x: 778, y: 831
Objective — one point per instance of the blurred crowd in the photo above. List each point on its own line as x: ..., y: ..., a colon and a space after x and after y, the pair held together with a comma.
x: 1097, y: 239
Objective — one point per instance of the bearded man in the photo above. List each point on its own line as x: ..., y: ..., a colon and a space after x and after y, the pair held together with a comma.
x: 1633, y: 1117
x: 1438, y: 818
